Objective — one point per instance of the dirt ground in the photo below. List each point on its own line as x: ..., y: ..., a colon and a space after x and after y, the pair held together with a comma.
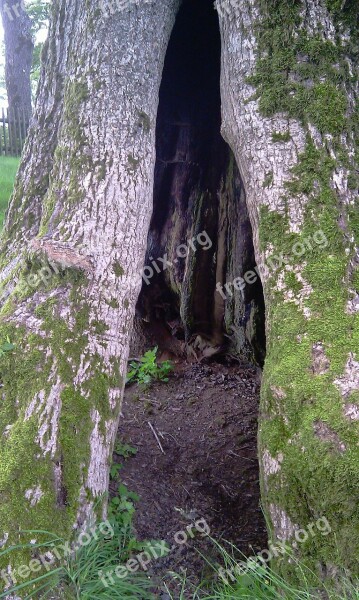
x: 205, y: 420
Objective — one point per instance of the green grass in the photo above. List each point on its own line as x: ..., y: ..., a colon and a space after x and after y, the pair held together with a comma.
x: 241, y: 578
x: 253, y: 579
x: 88, y: 573
x: 78, y: 576
x: 8, y: 168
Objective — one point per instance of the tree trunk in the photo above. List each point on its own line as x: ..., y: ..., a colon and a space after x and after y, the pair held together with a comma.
x: 75, y: 241
x: 72, y: 249
x: 290, y: 114
x: 19, y: 47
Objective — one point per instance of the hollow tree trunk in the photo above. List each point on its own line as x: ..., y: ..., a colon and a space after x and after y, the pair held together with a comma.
x: 198, y: 193
x: 73, y: 245
x: 82, y: 203
x: 290, y: 114
x: 19, y: 47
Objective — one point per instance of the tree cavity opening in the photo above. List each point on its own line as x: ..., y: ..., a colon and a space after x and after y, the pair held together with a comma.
x: 201, y: 293
x: 199, y: 242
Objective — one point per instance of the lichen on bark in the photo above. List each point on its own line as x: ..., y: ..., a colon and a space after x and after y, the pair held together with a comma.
x: 296, y: 75
x: 69, y: 274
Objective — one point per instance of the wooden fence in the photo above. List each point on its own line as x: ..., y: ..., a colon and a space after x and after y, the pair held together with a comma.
x: 14, y: 124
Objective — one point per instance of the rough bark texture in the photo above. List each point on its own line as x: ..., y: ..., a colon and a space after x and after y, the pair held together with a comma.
x: 83, y: 203
x: 290, y: 114
x: 19, y: 46
x: 79, y: 218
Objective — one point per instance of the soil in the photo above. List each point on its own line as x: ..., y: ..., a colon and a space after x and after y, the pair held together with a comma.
x: 203, y: 464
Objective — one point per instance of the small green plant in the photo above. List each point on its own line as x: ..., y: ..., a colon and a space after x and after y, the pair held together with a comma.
x: 121, y: 508
x: 6, y: 347
x: 147, y: 369
x: 121, y: 511
x: 114, y: 470
x: 125, y: 450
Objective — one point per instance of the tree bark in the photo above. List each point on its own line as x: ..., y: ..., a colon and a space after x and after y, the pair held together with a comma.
x: 75, y: 241
x: 72, y: 249
x: 290, y: 114
x: 19, y: 47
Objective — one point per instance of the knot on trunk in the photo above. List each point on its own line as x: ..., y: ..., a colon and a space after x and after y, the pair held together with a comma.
x: 61, y: 254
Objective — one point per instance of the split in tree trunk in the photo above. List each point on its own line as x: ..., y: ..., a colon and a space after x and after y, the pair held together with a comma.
x: 83, y: 202
x: 200, y: 221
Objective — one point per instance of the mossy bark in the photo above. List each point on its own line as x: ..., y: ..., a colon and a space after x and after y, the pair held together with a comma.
x: 73, y: 245
x: 82, y: 205
x: 290, y: 114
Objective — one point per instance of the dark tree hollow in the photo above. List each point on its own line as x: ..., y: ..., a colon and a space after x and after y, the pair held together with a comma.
x: 199, y: 204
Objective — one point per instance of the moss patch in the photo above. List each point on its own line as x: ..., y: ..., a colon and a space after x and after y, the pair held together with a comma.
x: 307, y: 78
x: 118, y: 269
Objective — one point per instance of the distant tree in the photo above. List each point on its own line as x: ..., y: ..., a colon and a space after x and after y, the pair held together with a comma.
x: 18, y: 54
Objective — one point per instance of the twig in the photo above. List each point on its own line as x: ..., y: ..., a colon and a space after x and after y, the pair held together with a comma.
x: 156, y: 437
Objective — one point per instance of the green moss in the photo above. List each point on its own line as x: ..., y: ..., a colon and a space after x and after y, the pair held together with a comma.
x: 281, y: 137
x: 268, y: 180
x: 113, y: 303
x: 71, y: 157
x: 133, y: 162
x: 19, y: 451
x: 29, y: 373
x: 22, y: 199
x: 291, y: 67
x: 144, y: 121
x: 307, y: 78
x: 74, y: 438
x: 345, y: 13
x: 292, y: 282
x: 353, y: 181
x: 117, y: 269
x: 76, y: 92
x: 272, y: 230
x: 313, y: 167
x: 100, y: 327
x: 328, y: 107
